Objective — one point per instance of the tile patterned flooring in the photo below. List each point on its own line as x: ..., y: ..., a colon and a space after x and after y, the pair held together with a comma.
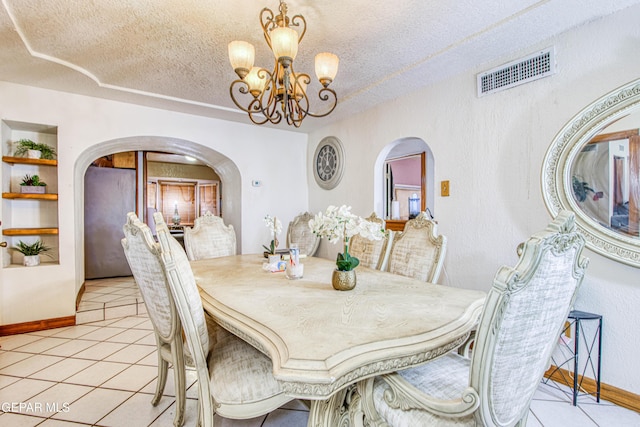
x: 102, y: 372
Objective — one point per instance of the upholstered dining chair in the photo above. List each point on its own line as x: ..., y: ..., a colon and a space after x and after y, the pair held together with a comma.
x: 523, y: 315
x: 299, y: 232
x: 209, y: 238
x: 372, y: 253
x: 143, y: 256
x: 418, y: 251
x: 234, y: 379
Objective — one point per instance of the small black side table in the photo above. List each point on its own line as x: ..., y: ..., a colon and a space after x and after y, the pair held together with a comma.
x: 575, y: 320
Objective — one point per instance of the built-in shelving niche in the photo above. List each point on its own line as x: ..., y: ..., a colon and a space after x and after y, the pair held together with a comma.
x: 28, y: 217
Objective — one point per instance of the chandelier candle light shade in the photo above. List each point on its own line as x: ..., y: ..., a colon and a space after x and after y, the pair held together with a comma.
x: 281, y: 93
x: 340, y: 224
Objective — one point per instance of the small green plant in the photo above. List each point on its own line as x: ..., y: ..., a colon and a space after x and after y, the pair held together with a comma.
x: 35, y: 248
x: 25, y: 145
x: 32, y: 181
x: 275, y: 227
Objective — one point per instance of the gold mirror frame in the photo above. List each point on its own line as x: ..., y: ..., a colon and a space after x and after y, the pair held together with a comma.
x: 557, y: 187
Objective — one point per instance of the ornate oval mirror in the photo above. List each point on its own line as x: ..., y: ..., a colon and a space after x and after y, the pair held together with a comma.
x: 593, y: 169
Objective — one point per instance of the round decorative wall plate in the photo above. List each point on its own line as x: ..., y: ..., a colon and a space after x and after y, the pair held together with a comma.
x: 328, y: 162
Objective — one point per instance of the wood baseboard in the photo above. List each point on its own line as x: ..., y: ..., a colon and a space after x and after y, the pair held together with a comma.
x: 608, y: 392
x: 37, y: 325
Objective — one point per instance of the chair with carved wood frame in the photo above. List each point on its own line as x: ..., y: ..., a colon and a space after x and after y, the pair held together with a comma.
x: 372, y: 253
x: 418, y: 251
x: 143, y: 256
x: 209, y: 238
x: 523, y: 315
x: 235, y: 380
x: 299, y: 233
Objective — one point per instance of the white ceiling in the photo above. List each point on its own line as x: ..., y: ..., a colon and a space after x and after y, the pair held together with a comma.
x: 172, y: 54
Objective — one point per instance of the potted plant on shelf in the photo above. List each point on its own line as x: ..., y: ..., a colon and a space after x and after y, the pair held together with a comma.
x: 31, y: 184
x: 34, y: 150
x: 31, y: 252
x: 340, y: 224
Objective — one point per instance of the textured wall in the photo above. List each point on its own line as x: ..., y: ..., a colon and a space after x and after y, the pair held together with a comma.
x: 89, y: 128
x: 491, y: 149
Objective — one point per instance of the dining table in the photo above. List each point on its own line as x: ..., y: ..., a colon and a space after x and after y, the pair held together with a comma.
x: 322, y: 341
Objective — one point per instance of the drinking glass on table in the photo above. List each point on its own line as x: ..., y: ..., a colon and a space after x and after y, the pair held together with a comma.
x: 294, y: 267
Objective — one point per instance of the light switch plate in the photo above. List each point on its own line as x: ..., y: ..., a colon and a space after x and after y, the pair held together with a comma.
x: 444, y: 188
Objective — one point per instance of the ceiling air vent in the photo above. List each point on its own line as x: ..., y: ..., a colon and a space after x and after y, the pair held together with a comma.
x: 533, y: 67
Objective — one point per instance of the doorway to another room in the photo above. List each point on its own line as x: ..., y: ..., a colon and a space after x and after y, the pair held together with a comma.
x: 407, y: 181
x: 180, y: 187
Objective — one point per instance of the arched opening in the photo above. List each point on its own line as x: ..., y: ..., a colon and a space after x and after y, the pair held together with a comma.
x: 387, y: 191
x: 225, y: 168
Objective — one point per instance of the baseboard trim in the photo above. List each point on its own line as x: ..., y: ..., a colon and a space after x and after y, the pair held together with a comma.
x: 616, y: 395
x: 37, y: 325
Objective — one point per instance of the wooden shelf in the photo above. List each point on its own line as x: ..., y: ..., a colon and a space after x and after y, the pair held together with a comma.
x: 43, y: 263
x: 27, y: 161
x: 29, y: 231
x: 45, y: 196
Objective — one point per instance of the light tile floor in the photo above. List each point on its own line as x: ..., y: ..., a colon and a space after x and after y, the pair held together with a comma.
x: 102, y: 372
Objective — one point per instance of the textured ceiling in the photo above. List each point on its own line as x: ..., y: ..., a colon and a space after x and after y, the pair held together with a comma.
x: 172, y: 54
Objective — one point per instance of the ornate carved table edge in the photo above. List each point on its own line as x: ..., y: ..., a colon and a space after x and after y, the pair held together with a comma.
x: 325, y: 391
x: 342, y: 407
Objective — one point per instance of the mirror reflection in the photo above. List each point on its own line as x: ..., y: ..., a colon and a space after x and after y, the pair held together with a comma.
x: 604, y: 177
x: 592, y: 168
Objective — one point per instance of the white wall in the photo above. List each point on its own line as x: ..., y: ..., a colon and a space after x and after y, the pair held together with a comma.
x: 491, y: 150
x: 88, y: 125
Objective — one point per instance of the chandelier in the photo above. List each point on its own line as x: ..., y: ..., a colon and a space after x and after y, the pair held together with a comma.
x: 270, y: 96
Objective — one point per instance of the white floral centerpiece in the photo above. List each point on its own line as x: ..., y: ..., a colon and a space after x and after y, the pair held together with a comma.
x: 339, y: 224
x: 275, y: 228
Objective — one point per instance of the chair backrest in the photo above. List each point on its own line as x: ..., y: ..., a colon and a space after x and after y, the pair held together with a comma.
x: 143, y: 256
x: 209, y: 238
x: 418, y: 251
x: 300, y: 233
x: 524, y: 313
x: 183, y: 289
x: 372, y: 253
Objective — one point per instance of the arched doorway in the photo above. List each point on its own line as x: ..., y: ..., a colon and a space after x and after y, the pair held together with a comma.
x: 224, y: 167
x: 400, y: 149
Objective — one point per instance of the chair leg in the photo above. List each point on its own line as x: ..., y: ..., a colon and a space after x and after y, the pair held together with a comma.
x: 467, y: 347
x: 367, y: 407
x: 523, y: 421
x: 199, y: 422
x: 163, y: 366
x: 179, y: 373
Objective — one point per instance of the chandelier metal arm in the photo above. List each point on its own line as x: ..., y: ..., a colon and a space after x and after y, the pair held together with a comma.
x: 255, y: 113
x: 302, y: 25
x: 268, y: 23
x: 325, y: 94
x: 242, y: 87
x: 254, y: 109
